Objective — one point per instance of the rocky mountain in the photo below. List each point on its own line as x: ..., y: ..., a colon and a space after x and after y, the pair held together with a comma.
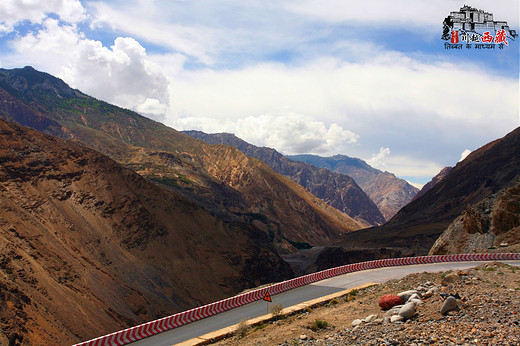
x: 88, y: 247
x: 338, y: 190
x: 416, y: 227
x: 220, y: 179
x: 441, y: 175
x: 387, y: 191
x: 491, y: 223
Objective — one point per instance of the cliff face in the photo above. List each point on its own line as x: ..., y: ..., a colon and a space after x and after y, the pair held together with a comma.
x: 88, y: 247
x: 222, y: 180
x: 388, y: 192
x: 493, y: 222
x: 338, y: 190
x: 485, y: 172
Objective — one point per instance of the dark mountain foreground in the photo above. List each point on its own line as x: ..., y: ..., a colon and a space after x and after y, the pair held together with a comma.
x: 88, y: 247
x: 491, y: 223
x: 338, y: 190
x: 387, y: 191
x: 220, y: 179
x: 484, y: 173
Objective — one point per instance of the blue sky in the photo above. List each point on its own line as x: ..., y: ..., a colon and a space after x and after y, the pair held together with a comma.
x: 366, y: 79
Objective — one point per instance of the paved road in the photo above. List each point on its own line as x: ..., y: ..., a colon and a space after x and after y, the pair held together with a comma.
x: 296, y: 296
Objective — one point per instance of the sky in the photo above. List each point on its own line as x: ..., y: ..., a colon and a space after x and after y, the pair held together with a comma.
x: 369, y: 79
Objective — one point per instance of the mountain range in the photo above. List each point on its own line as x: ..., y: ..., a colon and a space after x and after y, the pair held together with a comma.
x: 220, y: 179
x: 121, y: 219
x: 415, y: 228
x: 109, y: 219
x: 338, y: 190
x: 387, y: 191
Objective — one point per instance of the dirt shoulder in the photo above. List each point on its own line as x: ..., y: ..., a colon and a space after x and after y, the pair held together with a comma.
x: 488, y: 313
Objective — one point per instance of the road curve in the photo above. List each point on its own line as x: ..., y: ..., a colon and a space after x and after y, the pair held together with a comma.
x: 296, y: 296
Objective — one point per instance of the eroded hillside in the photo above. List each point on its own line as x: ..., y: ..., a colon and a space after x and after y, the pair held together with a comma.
x: 88, y: 247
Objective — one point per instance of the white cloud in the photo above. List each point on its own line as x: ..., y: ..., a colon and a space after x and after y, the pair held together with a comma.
x: 334, y: 90
x: 428, y: 15
x: 289, y: 132
x: 378, y: 160
x: 16, y: 11
x: 409, y: 166
x: 150, y: 22
x: 416, y: 185
x: 389, y: 99
x: 464, y: 154
x: 152, y: 107
x: 121, y: 74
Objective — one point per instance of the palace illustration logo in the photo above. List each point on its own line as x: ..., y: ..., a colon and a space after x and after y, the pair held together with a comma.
x: 477, y: 29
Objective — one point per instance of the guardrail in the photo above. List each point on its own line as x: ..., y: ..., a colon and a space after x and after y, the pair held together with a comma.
x: 145, y: 330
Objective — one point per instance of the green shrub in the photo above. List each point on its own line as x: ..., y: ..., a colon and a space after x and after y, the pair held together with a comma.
x: 318, y: 324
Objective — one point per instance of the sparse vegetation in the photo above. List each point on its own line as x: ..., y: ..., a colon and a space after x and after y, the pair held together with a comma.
x: 318, y: 324
x: 259, y: 327
x: 333, y: 302
x: 242, y: 329
x: 351, y: 295
x: 276, y: 310
x: 489, y: 269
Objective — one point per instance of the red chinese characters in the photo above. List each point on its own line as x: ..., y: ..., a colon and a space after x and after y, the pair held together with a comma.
x: 454, y: 36
x: 501, y: 36
x: 486, y: 38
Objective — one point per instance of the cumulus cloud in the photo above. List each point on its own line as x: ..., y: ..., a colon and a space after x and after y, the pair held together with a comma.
x: 120, y: 74
x: 295, y: 75
x: 464, y: 154
x: 294, y: 134
x: 13, y: 12
x: 290, y: 133
x: 389, y: 99
x: 378, y: 160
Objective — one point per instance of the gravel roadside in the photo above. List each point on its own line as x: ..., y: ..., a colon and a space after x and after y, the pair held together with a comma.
x: 487, y: 313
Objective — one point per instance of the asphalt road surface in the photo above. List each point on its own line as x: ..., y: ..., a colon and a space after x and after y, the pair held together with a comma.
x: 296, y: 296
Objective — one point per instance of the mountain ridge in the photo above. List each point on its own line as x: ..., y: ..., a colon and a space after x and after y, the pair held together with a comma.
x: 88, y: 247
x: 417, y: 226
x: 388, y: 192
x: 338, y: 190
x: 222, y: 180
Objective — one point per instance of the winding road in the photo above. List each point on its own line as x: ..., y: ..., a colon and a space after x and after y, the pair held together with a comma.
x: 296, y: 296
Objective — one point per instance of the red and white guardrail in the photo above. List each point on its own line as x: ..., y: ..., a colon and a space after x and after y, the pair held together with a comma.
x: 142, y: 331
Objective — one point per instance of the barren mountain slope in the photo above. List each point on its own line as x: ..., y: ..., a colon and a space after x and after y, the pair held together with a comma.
x: 338, y: 190
x: 387, y: 191
x: 222, y: 179
x: 88, y: 247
